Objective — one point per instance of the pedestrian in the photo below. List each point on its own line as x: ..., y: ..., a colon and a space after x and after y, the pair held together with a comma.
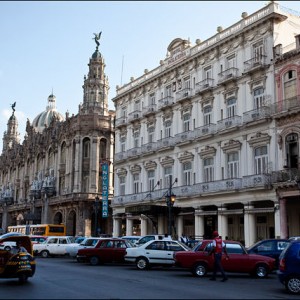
x: 18, y: 248
x: 218, y: 247
x: 184, y: 239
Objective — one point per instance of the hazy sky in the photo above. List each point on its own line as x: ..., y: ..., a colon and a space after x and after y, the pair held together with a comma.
x: 47, y: 45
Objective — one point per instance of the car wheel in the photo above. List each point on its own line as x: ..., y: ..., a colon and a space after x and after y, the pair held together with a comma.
x: 142, y: 263
x: 94, y: 260
x: 199, y: 270
x: 23, y: 278
x: 45, y: 254
x: 261, y: 271
x: 7, y: 248
x: 292, y: 284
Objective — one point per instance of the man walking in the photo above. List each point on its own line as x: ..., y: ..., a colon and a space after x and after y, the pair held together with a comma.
x: 218, y: 246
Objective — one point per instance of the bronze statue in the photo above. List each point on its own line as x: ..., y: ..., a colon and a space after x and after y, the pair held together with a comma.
x: 97, y: 38
x: 13, y: 107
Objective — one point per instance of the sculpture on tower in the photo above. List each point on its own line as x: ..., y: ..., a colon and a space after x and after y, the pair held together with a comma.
x: 97, y: 39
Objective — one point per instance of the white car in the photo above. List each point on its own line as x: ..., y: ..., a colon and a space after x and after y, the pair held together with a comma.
x: 146, y: 238
x: 53, y: 245
x: 89, y: 242
x: 155, y: 252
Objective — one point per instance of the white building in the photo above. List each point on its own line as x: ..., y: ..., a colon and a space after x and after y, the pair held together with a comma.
x: 201, y: 126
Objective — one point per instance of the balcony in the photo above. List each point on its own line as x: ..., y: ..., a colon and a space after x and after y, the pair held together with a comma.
x: 258, y: 180
x: 228, y: 75
x: 149, y: 110
x: 256, y: 114
x: 184, y: 137
x: 184, y: 94
x: 148, y: 148
x: 120, y: 156
x: 204, y: 85
x: 121, y: 121
x: 134, y: 116
x: 166, y: 143
x: 134, y: 152
x: 287, y: 106
x: 229, y: 123
x: 165, y: 102
x: 205, y: 131
x: 255, y: 63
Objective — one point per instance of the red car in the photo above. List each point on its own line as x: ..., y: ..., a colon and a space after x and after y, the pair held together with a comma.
x: 239, y: 261
x: 106, y: 250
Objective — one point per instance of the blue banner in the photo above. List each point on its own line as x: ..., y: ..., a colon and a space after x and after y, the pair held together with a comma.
x: 105, y: 177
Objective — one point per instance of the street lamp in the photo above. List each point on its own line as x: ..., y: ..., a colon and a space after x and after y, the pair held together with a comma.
x: 170, y: 200
x: 97, y: 200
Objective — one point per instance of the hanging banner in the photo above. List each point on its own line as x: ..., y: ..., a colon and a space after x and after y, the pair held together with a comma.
x: 104, y: 189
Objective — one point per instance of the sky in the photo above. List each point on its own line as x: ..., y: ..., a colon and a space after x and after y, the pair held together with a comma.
x: 45, y: 46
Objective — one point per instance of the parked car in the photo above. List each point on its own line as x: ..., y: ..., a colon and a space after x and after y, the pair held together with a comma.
x: 107, y: 250
x: 152, y: 237
x: 289, y: 267
x: 269, y: 247
x: 89, y: 242
x: 155, y: 252
x: 53, y: 245
x: 294, y: 238
x: 37, y: 239
x: 199, y: 262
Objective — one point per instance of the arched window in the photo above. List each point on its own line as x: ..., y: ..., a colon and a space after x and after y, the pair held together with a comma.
x: 292, y: 150
x: 86, y: 148
x: 63, y: 153
x: 103, y: 149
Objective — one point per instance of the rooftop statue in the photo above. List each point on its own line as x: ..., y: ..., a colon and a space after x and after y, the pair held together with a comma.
x: 13, y: 107
x: 97, y: 38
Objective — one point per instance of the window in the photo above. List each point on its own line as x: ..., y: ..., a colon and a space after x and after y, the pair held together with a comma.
x: 231, y: 62
x: 187, y: 83
x: 208, y: 72
x: 231, y: 107
x: 122, y: 185
x: 207, y: 115
x: 137, y: 105
x: 152, y: 99
x: 167, y: 173
x: 122, y: 143
x: 86, y: 148
x: 187, y: 173
x: 233, y: 165
x: 136, y: 139
x: 151, y: 134
x: 168, y: 91
x: 258, y: 51
x: 258, y: 97
x: 168, y: 129
x: 151, y: 180
x: 136, y: 182
x: 186, y: 122
x: 208, y: 169
x: 261, y: 159
x: 290, y: 88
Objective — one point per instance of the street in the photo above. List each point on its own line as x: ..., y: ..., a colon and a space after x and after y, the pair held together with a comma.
x: 64, y: 278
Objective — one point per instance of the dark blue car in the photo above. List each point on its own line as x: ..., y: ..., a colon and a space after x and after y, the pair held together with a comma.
x: 269, y: 247
x: 289, y: 267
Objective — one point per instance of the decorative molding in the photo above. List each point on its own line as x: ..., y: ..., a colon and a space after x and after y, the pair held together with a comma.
x: 150, y: 165
x: 186, y: 157
x: 207, y: 152
x: 135, y: 169
x: 259, y: 139
x: 232, y: 145
x: 167, y: 161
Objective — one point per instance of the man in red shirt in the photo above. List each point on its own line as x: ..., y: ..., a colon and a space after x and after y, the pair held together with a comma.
x: 218, y: 246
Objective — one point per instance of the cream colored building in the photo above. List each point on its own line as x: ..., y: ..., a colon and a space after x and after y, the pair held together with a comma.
x: 204, y: 119
x: 55, y: 175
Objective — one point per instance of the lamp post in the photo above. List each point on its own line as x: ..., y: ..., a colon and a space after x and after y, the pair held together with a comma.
x: 170, y: 200
x: 96, y: 214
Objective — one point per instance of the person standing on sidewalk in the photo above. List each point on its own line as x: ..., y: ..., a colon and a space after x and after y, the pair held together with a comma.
x: 218, y: 247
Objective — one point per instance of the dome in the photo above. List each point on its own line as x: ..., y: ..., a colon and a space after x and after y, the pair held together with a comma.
x: 44, y: 118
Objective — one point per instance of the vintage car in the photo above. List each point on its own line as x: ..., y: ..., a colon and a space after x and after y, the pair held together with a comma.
x: 107, y: 250
x: 199, y: 262
x: 19, y: 263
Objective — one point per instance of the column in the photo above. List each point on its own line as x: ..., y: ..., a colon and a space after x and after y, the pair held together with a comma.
x: 117, y: 226
x: 129, y: 225
x: 222, y: 222
x: 144, y: 226
x: 4, y: 218
x: 77, y: 178
x: 199, y: 224
x: 249, y: 227
x: 180, y: 226
x: 94, y: 165
x: 160, y: 225
x: 277, y: 220
x: 283, y: 219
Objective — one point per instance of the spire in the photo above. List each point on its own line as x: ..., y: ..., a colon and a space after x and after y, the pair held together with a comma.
x: 11, y: 135
x: 96, y: 86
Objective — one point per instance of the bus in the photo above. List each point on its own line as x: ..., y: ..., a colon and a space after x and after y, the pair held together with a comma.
x: 39, y: 229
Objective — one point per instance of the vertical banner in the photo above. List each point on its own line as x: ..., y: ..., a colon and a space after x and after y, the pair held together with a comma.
x: 104, y: 189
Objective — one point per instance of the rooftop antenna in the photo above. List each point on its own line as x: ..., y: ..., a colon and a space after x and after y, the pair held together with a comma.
x: 122, y: 69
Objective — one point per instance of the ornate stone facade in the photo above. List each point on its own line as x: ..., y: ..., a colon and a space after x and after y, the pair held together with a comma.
x: 55, y: 175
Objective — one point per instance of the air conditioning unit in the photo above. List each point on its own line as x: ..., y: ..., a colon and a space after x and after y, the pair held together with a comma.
x: 228, y: 123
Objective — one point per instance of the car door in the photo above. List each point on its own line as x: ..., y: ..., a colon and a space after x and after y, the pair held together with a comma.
x: 171, y: 248
x: 119, y: 251
x: 105, y: 251
x: 61, y: 246
x: 156, y: 252
x: 51, y: 245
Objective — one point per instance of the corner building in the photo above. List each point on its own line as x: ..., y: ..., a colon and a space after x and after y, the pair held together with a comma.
x: 205, y: 119
x: 55, y: 175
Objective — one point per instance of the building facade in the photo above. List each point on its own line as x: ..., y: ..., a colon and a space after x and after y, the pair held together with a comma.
x: 63, y: 170
x: 203, y: 126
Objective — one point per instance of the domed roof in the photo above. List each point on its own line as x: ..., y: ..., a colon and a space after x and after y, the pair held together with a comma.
x: 44, y: 118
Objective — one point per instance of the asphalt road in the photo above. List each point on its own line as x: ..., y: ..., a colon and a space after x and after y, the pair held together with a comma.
x: 64, y: 278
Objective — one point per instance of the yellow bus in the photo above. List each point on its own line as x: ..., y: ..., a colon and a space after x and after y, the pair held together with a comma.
x: 39, y: 229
